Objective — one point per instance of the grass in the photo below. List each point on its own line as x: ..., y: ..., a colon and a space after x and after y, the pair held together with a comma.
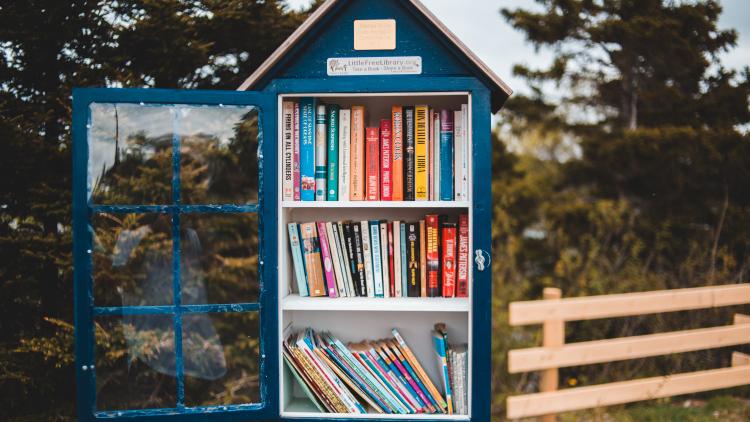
x: 719, y: 408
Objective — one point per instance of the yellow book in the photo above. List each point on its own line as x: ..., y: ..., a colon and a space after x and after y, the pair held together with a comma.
x: 420, y: 152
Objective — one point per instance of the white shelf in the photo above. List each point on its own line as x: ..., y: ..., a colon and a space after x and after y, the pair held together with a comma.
x: 401, y: 304
x: 375, y: 204
x: 302, y: 408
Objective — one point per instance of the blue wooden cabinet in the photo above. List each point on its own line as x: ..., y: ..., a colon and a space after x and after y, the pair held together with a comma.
x: 183, y: 280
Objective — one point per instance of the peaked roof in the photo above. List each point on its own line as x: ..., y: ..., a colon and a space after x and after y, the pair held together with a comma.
x: 501, y: 90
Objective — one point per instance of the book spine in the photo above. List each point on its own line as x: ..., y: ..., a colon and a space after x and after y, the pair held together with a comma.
x: 404, y: 261
x: 287, y: 153
x: 435, y: 395
x: 446, y: 155
x: 367, y: 253
x: 401, y: 392
x: 386, y: 157
x: 336, y: 258
x: 435, y: 130
x: 377, y: 264
x: 397, y: 259
x: 372, y: 163
x: 332, y: 181
x: 409, y: 375
x: 462, y: 276
x: 412, y: 247
x: 430, y: 155
x: 422, y: 259
x: 411, y: 369
x: 345, y: 116
x: 307, y: 149
x: 440, y: 351
x: 361, y: 274
x: 299, y: 269
x: 466, y: 137
x: 449, y: 259
x: 391, y: 261
x: 405, y: 379
x: 351, y: 261
x: 420, y: 153
x: 320, y: 153
x: 357, y: 171
x: 325, y: 255
x: 397, y: 167
x: 384, y: 258
x: 311, y: 248
x: 409, y: 156
x: 296, y: 152
x: 457, y: 154
x: 433, y: 259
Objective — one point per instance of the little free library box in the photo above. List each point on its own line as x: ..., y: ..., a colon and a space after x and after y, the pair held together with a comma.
x: 312, y: 246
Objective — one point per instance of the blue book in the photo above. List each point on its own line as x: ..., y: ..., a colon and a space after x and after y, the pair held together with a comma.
x: 333, y: 153
x: 307, y: 148
x: 441, y: 352
x: 320, y: 153
x: 299, y: 266
x: 377, y: 262
x: 404, y: 265
x: 446, y: 155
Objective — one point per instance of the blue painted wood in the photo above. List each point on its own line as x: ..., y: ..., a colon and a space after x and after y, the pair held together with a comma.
x: 84, y: 303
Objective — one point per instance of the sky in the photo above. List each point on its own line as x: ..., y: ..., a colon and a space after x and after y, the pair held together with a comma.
x: 481, y: 27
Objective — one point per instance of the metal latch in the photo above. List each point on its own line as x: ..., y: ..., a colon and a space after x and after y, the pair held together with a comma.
x: 481, y: 258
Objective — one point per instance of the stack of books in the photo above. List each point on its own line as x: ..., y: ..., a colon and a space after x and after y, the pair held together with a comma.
x: 378, y: 258
x: 415, y: 154
x: 452, y: 364
x: 371, y: 376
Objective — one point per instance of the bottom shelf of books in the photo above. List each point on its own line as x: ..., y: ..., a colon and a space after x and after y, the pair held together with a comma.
x: 398, y: 365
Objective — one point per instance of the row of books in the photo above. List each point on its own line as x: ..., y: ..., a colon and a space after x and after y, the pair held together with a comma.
x: 368, y: 377
x: 415, y: 154
x: 453, y: 366
x: 378, y: 258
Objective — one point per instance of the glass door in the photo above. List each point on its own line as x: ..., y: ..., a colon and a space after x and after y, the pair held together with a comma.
x: 172, y: 216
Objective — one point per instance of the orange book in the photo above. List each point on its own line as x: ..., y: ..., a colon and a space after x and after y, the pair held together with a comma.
x: 357, y: 161
x: 397, y: 124
x: 372, y: 163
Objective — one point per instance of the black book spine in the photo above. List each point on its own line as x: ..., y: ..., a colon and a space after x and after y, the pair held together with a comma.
x: 410, y: 157
x: 346, y: 243
x: 412, y: 259
x: 359, y: 258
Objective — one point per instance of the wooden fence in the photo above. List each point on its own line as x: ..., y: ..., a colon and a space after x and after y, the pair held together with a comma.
x: 553, y: 312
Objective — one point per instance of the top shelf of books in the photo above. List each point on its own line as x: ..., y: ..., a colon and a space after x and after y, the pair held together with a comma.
x: 376, y: 204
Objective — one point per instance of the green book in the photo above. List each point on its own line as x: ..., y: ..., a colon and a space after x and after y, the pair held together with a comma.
x: 332, y: 141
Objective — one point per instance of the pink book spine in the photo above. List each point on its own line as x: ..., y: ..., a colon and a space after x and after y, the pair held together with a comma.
x: 295, y: 152
x: 325, y: 254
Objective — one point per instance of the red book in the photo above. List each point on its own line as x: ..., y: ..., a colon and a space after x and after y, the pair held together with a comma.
x: 462, y: 279
x: 372, y: 164
x: 386, y: 157
x: 391, y: 263
x: 432, y: 227
x: 295, y: 154
x: 449, y: 259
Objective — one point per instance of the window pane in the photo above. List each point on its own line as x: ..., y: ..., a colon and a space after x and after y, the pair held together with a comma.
x: 130, y: 154
x: 219, y: 258
x: 135, y: 362
x: 218, y: 154
x: 221, y: 358
x: 132, y: 259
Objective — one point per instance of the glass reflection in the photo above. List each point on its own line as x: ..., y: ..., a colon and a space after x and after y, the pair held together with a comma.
x: 132, y: 259
x: 218, y: 154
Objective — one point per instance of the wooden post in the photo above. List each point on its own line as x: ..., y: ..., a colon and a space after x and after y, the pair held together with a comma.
x: 553, y: 336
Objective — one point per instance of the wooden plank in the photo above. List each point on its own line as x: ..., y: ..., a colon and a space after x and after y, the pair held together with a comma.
x: 553, y: 337
x: 741, y: 319
x: 625, y: 392
x: 589, y: 352
x: 739, y: 359
x: 626, y: 304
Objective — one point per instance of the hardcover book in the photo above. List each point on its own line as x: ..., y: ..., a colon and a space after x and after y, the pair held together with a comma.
x: 372, y: 163
x: 296, y: 153
x: 409, y: 157
x: 462, y: 276
x: 357, y: 170
x: 299, y: 266
x: 449, y: 259
x: 287, y: 152
x: 332, y: 180
x: 311, y: 252
x: 345, y: 129
x: 367, y: 254
x: 307, y: 149
x: 327, y: 259
x: 420, y: 153
x: 320, y: 153
x: 446, y: 156
x: 397, y: 124
x: 412, y: 257
x: 386, y: 172
x: 432, y: 226
x: 377, y: 261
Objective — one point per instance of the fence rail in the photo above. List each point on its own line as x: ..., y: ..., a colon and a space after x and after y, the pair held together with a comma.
x: 553, y: 312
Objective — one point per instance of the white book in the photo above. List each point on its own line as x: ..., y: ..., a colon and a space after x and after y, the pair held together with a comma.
x: 377, y: 263
x: 367, y: 254
x: 457, y: 154
x: 345, y: 125
x: 333, y: 247
x: 397, y: 258
x: 384, y: 258
x: 287, y: 152
x: 341, y: 246
x: 436, y: 157
x: 466, y: 137
x: 347, y: 261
